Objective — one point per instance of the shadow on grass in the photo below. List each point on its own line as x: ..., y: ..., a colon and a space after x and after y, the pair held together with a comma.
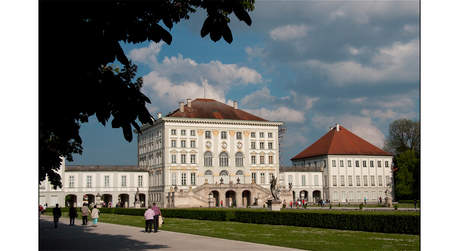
x: 79, y: 237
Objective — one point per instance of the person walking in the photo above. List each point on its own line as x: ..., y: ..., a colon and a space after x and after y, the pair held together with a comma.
x: 84, y: 213
x: 157, y: 212
x: 72, y: 214
x: 56, y: 215
x: 95, y: 215
x: 149, y: 217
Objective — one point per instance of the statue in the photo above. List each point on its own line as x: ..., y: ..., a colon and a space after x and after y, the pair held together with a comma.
x: 137, y: 199
x: 274, y: 189
x: 238, y: 180
x: 221, y: 180
x: 388, y: 199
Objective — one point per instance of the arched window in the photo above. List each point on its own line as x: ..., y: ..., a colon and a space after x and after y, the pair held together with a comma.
x: 207, y: 159
x: 224, y: 173
x: 208, y: 172
x: 239, y: 159
x: 239, y: 172
x: 223, y: 159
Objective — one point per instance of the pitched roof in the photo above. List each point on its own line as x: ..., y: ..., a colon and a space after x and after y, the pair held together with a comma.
x: 97, y: 168
x: 212, y: 109
x: 340, y: 142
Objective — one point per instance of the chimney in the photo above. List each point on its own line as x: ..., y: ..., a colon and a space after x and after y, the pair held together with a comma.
x: 188, y: 102
x: 235, y: 104
x: 182, y: 106
x: 159, y: 115
x: 337, y: 127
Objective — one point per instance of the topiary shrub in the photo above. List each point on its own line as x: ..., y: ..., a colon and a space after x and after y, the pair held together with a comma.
x: 361, y: 206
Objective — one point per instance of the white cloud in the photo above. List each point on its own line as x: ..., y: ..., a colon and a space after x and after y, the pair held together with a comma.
x: 146, y: 55
x: 289, y: 32
x: 282, y: 113
x: 260, y: 96
x: 358, y: 100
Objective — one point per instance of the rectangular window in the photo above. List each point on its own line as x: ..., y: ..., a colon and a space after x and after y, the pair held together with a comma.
x: 270, y: 159
x: 88, y: 181
x: 270, y: 145
x: 316, y: 180
x: 193, y: 158
x: 349, y: 180
x: 365, y: 180
x: 238, y: 135
x: 380, y: 180
x: 183, y: 179
x: 270, y: 134
x: 388, y: 181
x: 193, y: 144
x: 183, y: 132
x: 173, y: 143
x: 357, y: 180
x: 223, y: 135
x: 174, y: 179
x: 372, y: 178
x: 123, y: 181
x: 262, y: 145
x: 183, y: 158
x: 106, y: 181
x: 325, y: 163
x: 71, y: 181
x: 334, y: 163
x: 371, y: 163
x: 192, y: 132
x: 303, y: 180
x: 173, y: 132
x: 193, y: 178
x: 254, y: 160
x: 364, y: 163
x: 252, y: 135
x: 140, y: 181
x: 334, y: 181
x: 290, y: 179
x: 262, y: 178
x: 342, y: 180
x: 341, y: 163
x: 183, y: 143
x: 208, y: 135
x: 356, y: 163
x: 349, y: 163
x: 252, y: 145
x: 254, y: 178
x: 262, y: 159
x: 174, y: 159
x: 379, y: 163
x: 386, y: 163
x: 262, y: 134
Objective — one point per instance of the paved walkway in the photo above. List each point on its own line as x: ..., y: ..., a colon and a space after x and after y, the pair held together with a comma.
x: 119, y: 237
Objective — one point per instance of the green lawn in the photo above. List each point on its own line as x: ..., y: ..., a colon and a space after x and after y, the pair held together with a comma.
x: 286, y: 236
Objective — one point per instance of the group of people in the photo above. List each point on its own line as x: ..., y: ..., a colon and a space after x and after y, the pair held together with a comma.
x: 85, y: 212
x: 152, y: 215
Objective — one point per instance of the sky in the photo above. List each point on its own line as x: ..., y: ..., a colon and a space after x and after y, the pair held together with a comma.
x: 310, y: 64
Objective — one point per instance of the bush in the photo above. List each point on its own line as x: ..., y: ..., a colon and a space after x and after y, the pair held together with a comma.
x: 361, y: 206
x: 395, y: 207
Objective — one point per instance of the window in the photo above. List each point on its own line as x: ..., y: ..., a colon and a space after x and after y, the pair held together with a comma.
x: 316, y: 180
x: 207, y: 159
x: 173, y: 159
x: 364, y: 163
x: 325, y: 181
x: 341, y: 163
x: 223, y: 159
x: 334, y: 163
x: 72, y: 181
x: 270, y: 145
x: 380, y: 180
x: 140, y: 181
x: 193, y: 158
x: 349, y: 180
x: 388, y: 180
x: 325, y: 163
x: 174, y: 179
x: 208, y: 172
x: 334, y: 181
x: 183, y: 143
x: 349, y: 163
x: 372, y: 178
x: 123, y: 180
x: 88, y: 181
x: 290, y: 179
x: 192, y: 133
x: 239, y: 159
x: 379, y: 163
x: 183, y: 132
x: 262, y: 178
x: 183, y: 179
x: 365, y: 180
x: 252, y: 135
x: 270, y: 134
x: 208, y: 135
x: 262, y: 159
x: 238, y: 135
x: 223, y: 135
x: 270, y: 159
x: 342, y: 180
x: 262, y: 145
x: 315, y: 163
x: 173, y: 143
x: 386, y: 163
x: 357, y: 180
x: 254, y: 178
x: 106, y: 181
x: 252, y: 145
x: 303, y: 180
x: 183, y: 158
x: 262, y: 134
x: 193, y: 178
x: 356, y: 163
x: 173, y: 132
x: 253, y: 159
x: 371, y: 163
x: 193, y: 144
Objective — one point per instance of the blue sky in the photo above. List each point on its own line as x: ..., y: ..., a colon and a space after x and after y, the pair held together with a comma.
x: 310, y: 64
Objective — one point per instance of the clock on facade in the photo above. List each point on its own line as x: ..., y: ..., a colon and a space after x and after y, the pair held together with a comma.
x: 239, y: 145
x: 208, y: 144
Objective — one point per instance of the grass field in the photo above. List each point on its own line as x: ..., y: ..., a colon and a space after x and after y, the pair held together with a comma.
x: 286, y: 236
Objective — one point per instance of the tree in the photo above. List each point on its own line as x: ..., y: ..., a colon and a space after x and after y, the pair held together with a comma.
x: 83, y: 71
x: 407, y: 179
x: 404, y: 135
